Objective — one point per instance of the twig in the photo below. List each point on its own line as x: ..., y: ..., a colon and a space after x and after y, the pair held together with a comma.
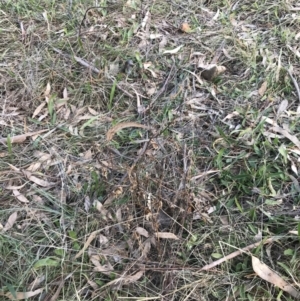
x: 79, y: 60
x: 88, y: 65
x: 236, y: 253
x: 218, y: 52
x: 162, y: 90
x: 217, y: 262
x: 84, y: 17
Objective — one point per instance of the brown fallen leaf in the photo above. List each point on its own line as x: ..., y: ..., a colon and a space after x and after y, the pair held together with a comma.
x: 142, y: 231
x: 10, y: 222
x: 185, y: 27
x: 36, y: 282
x: 15, y: 187
x: 166, y: 235
x: 36, y: 180
x: 21, y: 138
x: 20, y: 196
x: 88, y: 242
x: 125, y: 280
x: 22, y: 296
x: 38, y: 109
x: 173, y: 51
x: 263, y: 88
x: 112, y: 131
x: 264, y: 272
x: 58, y: 290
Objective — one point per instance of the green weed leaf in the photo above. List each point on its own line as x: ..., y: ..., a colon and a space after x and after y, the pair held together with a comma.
x: 46, y: 262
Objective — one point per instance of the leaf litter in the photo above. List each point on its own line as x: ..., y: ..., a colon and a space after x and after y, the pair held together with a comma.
x: 108, y: 189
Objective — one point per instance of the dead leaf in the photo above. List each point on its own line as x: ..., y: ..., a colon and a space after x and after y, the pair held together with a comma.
x: 124, y: 280
x: 142, y: 231
x: 112, y: 131
x: 36, y: 282
x: 87, y: 243
x: 146, y: 247
x: 166, y: 235
x: 99, y: 207
x: 162, y: 44
x: 14, y: 187
x: 146, y: 19
x: 58, y: 290
x: 34, y: 166
x: 185, y: 27
x: 10, y: 222
x: 48, y: 90
x: 93, y: 112
x: 20, y: 196
x: 294, y: 50
x: 22, y: 296
x: 38, y: 109
x: 216, y: 15
x: 105, y: 269
x: 173, y: 51
x: 87, y: 203
x: 264, y: 272
x: 88, y: 154
x: 282, y: 107
x: 263, y: 88
x: 21, y: 138
x: 285, y: 133
x: 65, y: 93
x: 36, y: 180
x: 154, y: 36
x: 102, y: 240
x: 133, y: 278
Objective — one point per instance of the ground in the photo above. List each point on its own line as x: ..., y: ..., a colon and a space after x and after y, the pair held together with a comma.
x: 149, y: 150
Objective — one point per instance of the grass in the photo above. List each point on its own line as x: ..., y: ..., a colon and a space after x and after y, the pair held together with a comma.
x: 139, y: 215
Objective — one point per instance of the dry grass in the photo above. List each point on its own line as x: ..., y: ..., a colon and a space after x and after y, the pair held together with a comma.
x: 136, y: 216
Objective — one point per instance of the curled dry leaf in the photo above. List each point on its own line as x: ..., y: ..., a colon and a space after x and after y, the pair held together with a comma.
x: 10, y: 222
x: 112, y: 131
x: 264, y: 272
x: 105, y: 269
